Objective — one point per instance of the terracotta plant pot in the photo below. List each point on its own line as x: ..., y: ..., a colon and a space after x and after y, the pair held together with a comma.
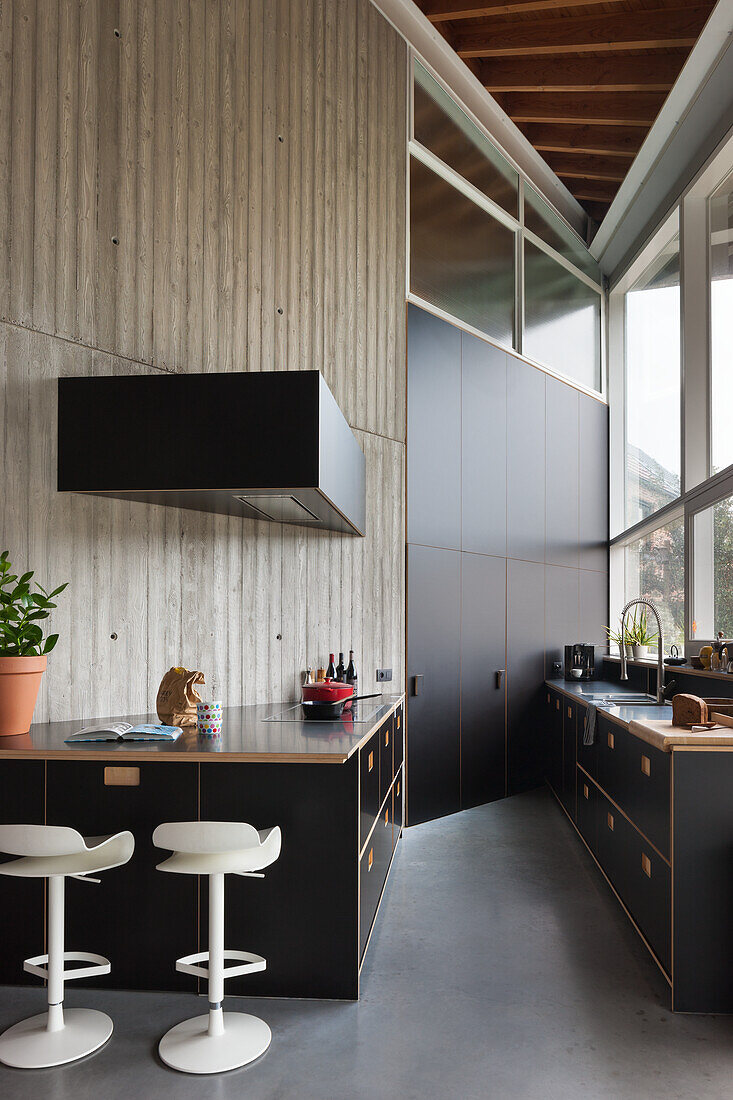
x: 20, y: 679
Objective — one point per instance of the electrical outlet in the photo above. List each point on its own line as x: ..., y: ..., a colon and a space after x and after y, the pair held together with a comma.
x: 383, y: 674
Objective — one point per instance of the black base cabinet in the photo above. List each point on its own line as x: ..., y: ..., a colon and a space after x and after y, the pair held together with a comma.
x: 622, y: 792
x: 23, y: 900
x: 310, y: 916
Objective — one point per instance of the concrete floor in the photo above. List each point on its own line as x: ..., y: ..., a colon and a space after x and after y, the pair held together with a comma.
x: 501, y: 967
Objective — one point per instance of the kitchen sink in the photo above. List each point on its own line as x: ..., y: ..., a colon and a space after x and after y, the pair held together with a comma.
x: 625, y: 699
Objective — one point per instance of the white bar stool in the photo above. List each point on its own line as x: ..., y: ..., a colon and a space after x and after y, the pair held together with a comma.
x: 220, y: 1040
x: 55, y: 852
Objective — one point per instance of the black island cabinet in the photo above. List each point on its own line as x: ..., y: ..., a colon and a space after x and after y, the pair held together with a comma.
x: 337, y: 797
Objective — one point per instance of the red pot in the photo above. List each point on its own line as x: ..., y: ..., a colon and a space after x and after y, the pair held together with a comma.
x: 327, y: 691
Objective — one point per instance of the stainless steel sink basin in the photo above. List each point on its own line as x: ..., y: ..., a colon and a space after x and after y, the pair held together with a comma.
x: 625, y: 699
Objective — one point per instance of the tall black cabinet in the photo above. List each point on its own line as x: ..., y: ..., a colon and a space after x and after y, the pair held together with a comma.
x: 507, y: 560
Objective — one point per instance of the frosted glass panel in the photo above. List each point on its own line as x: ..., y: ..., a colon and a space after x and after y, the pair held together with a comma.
x: 443, y: 128
x: 653, y: 381
x: 549, y: 226
x: 562, y: 319
x: 721, y: 324
x: 461, y: 259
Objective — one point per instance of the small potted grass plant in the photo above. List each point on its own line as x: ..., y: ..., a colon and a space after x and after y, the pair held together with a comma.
x: 23, y: 645
x: 614, y: 638
x: 643, y: 637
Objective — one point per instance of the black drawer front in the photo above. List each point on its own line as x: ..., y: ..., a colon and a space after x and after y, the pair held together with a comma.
x: 637, y: 777
x: 399, y: 738
x: 588, y: 811
x: 373, y: 869
x: 386, y: 773
x: 397, y: 797
x: 368, y: 786
x: 554, y: 740
x: 648, y: 791
x: 649, y: 899
x: 22, y: 802
x: 587, y: 755
x: 640, y: 876
x: 569, y: 715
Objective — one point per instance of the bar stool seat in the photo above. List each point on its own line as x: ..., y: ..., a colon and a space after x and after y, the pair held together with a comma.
x: 220, y: 1040
x: 57, y: 852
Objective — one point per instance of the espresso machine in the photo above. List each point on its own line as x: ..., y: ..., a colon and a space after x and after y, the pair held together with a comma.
x: 580, y: 661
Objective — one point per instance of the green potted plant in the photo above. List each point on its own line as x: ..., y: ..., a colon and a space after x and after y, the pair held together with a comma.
x: 643, y: 637
x: 614, y: 638
x: 23, y: 648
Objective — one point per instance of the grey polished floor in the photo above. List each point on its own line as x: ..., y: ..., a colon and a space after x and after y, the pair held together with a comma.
x: 501, y: 967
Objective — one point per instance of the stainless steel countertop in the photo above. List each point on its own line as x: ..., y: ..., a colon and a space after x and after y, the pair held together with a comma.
x: 246, y: 736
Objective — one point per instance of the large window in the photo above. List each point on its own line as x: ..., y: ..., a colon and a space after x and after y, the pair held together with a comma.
x: 487, y: 250
x: 655, y: 568
x: 652, y: 319
x: 671, y: 396
x: 712, y: 588
x: 721, y: 324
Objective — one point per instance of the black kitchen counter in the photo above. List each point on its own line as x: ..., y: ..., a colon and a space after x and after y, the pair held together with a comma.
x: 247, y: 735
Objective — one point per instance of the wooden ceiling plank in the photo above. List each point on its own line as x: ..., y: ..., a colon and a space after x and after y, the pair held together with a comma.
x: 606, y: 141
x: 441, y: 11
x: 594, y: 108
x: 662, y: 28
x: 637, y: 73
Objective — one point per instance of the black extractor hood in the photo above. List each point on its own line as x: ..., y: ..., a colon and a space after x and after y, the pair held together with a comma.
x: 269, y: 445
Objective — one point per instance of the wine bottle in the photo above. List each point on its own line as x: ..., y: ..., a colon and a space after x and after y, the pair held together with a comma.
x: 351, y: 676
x: 331, y: 670
x: 340, y: 669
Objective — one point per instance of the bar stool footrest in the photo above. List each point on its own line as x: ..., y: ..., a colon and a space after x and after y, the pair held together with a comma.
x: 39, y: 965
x: 249, y: 964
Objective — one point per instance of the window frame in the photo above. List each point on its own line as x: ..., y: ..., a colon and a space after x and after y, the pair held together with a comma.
x: 435, y: 164
x: 699, y: 487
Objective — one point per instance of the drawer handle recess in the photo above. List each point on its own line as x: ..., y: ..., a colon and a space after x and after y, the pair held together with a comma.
x: 371, y: 760
x: 386, y: 817
x: 585, y: 790
x: 557, y: 704
x: 611, y: 742
x: 570, y: 712
x: 370, y: 860
x: 646, y: 865
x: 646, y: 765
x: 610, y: 822
x: 386, y: 738
x: 122, y: 777
x: 398, y: 788
x: 399, y: 720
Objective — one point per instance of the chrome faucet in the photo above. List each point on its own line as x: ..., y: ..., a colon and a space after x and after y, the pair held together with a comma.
x: 660, y: 646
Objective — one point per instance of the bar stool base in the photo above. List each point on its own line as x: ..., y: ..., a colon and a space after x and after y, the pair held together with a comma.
x: 189, y: 1047
x: 28, y: 1045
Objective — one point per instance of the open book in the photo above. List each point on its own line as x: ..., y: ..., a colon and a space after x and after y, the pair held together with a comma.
x: 123, y: 731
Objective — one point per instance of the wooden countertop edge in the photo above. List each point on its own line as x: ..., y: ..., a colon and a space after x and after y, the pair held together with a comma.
x: 172, y: 757
x: 667, y: 742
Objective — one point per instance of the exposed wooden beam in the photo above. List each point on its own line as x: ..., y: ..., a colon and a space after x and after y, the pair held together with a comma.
x: 579, y: 166
x: 662, y: 28
x: 612, y: 141
x: 594, y: 191
x: 635, y: 73
x: 596, y: 108
x: 440, y: 11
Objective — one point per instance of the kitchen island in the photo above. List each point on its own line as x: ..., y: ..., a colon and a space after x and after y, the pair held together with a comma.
x: 335, y: 788
x: 652, y: 803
